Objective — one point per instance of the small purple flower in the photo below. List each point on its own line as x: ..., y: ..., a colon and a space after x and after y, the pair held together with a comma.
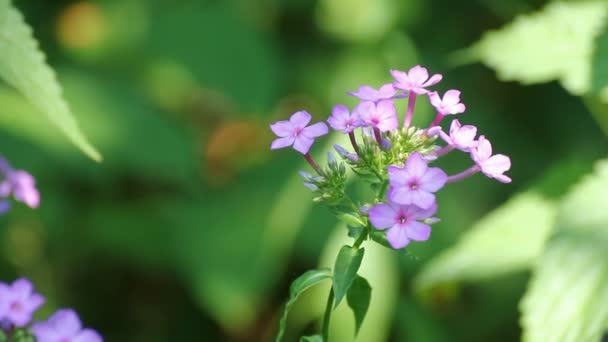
x: 18, y: 302
x: 353, y: 157
x: 415, y: 183
x: 20, y: 183
x: 64, y: 326
x: 294, y: 132
x: 342, y: 120
x: 367, y: 93
x: 381, y: 115
x: 449, y: 104
x: 402, y: 221
x: 461, y: 137
x: 492, y: 166
x: 415, y: 80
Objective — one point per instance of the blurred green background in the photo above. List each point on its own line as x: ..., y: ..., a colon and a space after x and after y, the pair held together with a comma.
x: 191, y: 229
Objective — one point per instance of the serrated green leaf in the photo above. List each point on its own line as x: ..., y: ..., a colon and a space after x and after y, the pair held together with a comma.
x: 568, y: 292
x: 345, y: 270
x: 358, y: 298
x: 314, y: 338
x: 508, y: 239
x: 555, y: 43
x: 23, y: 66
x: 301, y: 284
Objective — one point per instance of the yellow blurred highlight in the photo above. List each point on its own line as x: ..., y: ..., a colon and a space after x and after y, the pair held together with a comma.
x: 81, y: 25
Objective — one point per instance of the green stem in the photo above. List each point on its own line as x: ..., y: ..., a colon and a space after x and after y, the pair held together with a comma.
x: 382, y: 191
x: 327, y: 316
x: 360, y: 239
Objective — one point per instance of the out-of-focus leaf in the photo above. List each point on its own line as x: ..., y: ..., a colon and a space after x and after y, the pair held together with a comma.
x: 23, y: 66
x: 315, y: 338
x: 555, y: 43
x: 345, y: 270
x: 599, y: 67
x: 358, y: 297
x: 301, y: 284
x: 566, y: 300
x: 507, y: 240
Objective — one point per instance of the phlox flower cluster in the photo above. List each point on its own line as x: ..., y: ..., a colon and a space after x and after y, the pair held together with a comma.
x: 396, y: 160
x: 19, y: 302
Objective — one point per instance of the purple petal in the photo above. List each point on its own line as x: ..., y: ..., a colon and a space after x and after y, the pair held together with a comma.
x: 433, y: 180
x: 28, y: 195
x: 5, y: 188
x: 496, y: 165
x: 22, y: 288
x: 418, y: 213
x: 451, y: 97
x: 44, y: 332
x: 397, y: 237
x: 302, y: 143
x: 382, y: 216
x: 282, y: 128
x: 387, y: 91
x: 457, y: 109
x: 398, y: 176
x: 400, y: 76
x: 415, y: 165
x: 433, y: 80
x: 483, y: 151
x: 433, y: 131
x: 401, y: 195
x: 300, y: 119
x: 455, y: 127
x: 423, y: 199
x: 503, y: 178
x: 34, y: 302
x: 418, y: 75
x: 88, y: 335
x: 315, y: 130
x: 365, y: 93
x: 388, y: 116
x: 66, y: 322
x: 418, y: 231
x: 282, y: 143
x: 435, y: 99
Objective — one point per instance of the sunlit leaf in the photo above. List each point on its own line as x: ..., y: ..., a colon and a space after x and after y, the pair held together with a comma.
x: 358, y: 297
x: 23, y: 66
x: 555, y: 43
x: 507, y: 240
x: 599, y: 75
x: 315, y: 338
x: 345, y: 270
x: 304, y: 282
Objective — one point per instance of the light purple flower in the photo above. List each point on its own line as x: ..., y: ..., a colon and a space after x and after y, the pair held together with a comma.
x: 449, y: 104
x: 342, y: 120
x: 402, y: 222
x: 367, y: 93
x: 381, y: 115
x: 415, y: 80
x: 294, y: 132
x: 64, y: 326
x: 461, y: 137
x: 353, y: 157
x: 492, y: 166
x: 415, y: 183
x: 18, y: 302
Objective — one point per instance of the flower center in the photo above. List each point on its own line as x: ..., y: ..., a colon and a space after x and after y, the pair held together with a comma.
x: 414, y: 185
x: 16, y: 306
x: 402, y: 219
x: 297, y: 131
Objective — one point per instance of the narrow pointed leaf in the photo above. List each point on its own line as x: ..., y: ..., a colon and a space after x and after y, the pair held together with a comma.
x: 301, y: 284
x: 315, y: 338
x: 23, y: 66
x: 345, y: 270
x: 358, y: 298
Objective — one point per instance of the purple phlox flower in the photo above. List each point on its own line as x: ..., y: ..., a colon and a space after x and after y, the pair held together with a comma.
x: 402, y: 221
x: 353, y: 157
x: 415, y: 80
x: 18, y: 302
x: 295, y: 132
x: 381, y: 115
x: 64, y: 326
x: 492, y: 166
x: 20, y: 183
x: 449, y: 104
x: 367, y: 93
x: 415, y: 183
x: 461, y: 137
x: 342, y: 120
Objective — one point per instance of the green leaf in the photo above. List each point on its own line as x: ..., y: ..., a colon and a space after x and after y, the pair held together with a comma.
x: 358, y: 298
x: 599, y: 67
x: 315, y: 338
x: 345, y: 270
x: 23, y: 66
x: 568, y: 292
x: 301, y: 284
x: 508, y: 239
x: 555, y: 43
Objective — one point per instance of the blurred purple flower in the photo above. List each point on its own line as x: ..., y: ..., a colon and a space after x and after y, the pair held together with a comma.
x: 449, y: 104
x: 415, y: 80
x: 415, y: 183
x: 342, y: 120
x: 402, y: 222
x: 20, y: 183
x: 492, y: 166
x: 381, y: 115
x: 295, y: 132
x: 64, y: 326
x: 18, y: 302
x: 367, y: 93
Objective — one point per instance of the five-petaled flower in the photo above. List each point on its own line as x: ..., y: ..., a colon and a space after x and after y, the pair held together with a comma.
x: 342, y: 120
x: 64, y: 326
x: 295, y: 132
x: 461, y: 137
x: 449, y: 104
x: 492, y: 166
x: 416, y: 80
x: 415, y: 183
x: 402, y: 221
x: 18, y: 302
x: 367, y: 93
x: 381, y: 115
